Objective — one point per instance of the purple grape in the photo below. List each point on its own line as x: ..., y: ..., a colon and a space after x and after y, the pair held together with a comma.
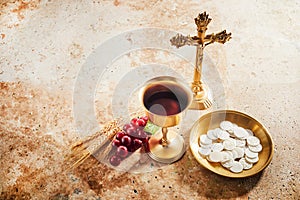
x: 131, y: 131
x: 126, y: 140
x: 122, y: 151
x: 141, y: 134
x: 120, y: 135
x: 140, y: 122
x: 115, y: 160
x: 137, y: 143
x: 126, y: 126
x: 116, y: 143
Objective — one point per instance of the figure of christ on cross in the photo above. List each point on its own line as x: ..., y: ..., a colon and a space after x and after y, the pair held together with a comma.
x: 201, y: 98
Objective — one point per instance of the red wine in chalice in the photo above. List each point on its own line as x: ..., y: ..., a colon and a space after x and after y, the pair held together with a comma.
x: 165, y: 99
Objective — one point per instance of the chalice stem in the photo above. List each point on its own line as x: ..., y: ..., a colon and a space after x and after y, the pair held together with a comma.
x: 198, y: 67
x: 164, y: 139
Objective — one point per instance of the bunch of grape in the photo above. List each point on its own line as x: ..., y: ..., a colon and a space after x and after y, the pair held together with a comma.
x: 130, y: 139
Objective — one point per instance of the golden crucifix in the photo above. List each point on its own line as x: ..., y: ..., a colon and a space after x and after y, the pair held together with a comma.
x: 202, y: 100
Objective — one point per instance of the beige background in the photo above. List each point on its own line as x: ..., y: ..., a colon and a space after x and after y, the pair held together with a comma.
x: 44, y: 44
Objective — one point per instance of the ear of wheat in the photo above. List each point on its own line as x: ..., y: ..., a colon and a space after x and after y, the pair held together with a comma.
x: 95, y: 144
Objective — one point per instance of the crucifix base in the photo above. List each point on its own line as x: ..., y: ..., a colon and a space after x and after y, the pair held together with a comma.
x: 202, y: 98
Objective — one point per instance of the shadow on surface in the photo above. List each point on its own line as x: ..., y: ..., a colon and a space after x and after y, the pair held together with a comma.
x: 213, y: 186
x: 220, y: 187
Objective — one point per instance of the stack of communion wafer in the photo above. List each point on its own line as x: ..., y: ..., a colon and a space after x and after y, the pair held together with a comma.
x: 234, y: 147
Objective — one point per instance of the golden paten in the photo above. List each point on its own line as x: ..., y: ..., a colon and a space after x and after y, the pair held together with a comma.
x: 202, y: 98
x: 212, y: 120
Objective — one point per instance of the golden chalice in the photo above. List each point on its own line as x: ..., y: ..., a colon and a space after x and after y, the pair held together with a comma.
x: 165, y: 100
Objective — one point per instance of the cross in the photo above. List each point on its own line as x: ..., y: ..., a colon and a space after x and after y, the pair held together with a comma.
x: 201, y: 98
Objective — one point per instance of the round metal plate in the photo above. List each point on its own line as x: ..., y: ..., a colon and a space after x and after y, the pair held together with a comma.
x: 212, y: 120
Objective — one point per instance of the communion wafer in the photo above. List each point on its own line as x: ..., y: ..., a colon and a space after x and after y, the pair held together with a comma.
x: 235, y: 154
x: 249, y: 132
x: 226, y: 157
x: 229, y: 144
x: 246, y: 165
x: 206, y: 146
x: 212, y: 135
x: 204, y: 151
x: 226, y: 125
x: 240, y: 142
x: 231, y: 130
x: 253, y: 141
x: 205, y: 140
x: 229, y: 153
x: 250, y: 153
x: 256, y: 148
x: 240, y: 152
x: 252, y: 160
x: 240, y: 132
x: 236, y: 167
x: 215, y: 156
x: 227, y: 164
x: 217, y: 147
x: 223, y: 135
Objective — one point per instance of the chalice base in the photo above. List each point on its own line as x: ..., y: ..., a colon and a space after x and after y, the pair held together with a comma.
x: 170, y: 153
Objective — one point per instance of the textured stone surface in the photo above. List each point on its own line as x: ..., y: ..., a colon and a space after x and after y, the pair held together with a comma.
x: 44, y: 44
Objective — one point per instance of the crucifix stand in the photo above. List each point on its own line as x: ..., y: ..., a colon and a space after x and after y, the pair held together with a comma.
x: 202, y: 99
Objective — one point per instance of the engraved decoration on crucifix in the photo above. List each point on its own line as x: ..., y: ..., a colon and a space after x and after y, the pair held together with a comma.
x: 202, y: 99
